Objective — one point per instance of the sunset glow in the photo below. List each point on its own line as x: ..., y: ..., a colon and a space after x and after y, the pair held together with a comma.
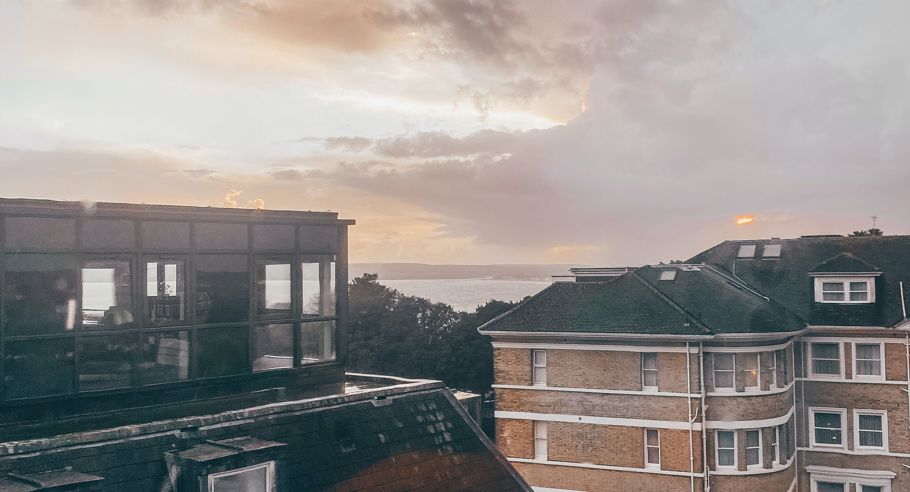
x: 744, y: 219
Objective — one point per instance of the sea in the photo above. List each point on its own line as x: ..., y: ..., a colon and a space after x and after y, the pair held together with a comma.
x: 465, y: 294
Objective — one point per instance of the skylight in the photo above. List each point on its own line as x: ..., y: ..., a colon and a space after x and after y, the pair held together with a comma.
x: 771, y: 251
x: 746, y: 251
x: 668, y: 274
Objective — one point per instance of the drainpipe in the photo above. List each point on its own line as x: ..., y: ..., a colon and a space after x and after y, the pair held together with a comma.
x: 704, y: 431
x: 907, y: 350
x: 793, y: 427
x: 689, y: 409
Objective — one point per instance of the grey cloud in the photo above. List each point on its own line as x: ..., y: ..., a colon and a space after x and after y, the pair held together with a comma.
x: 429, y: 144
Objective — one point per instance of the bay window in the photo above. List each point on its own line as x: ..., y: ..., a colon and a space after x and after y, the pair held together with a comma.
x: 724, y: 372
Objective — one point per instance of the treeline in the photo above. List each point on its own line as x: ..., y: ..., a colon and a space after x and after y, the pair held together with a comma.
x: 396, y: 334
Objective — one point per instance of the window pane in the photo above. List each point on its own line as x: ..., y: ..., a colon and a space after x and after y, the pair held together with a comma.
x: 752, y: 438
x: 649, y: 378
x: 273, y: 347
x: 750, y: 370
x: 726, y: 457
x: 830, y: 487
x: 221, y: 351
x: 859, y: 296
x: 166, y: 357
x: 723, y: 379
x: 540, y: 358
x: 107, y: 233
x: 746, y: 251
x: 871, y: 488
x: 222, y: 288
x: 106, y: 294
x: 826, y: 358
x: 40, y: 293
x: 312, y: 291
x: 723, y: 361
x: 38, y: 368
x: 540, y: 375
x: 649, y: 361
x: 653, y: 456
x: 273, y: 287
x: 725, y: 439
x: 273, y: 237
x: 751, y: 456
x: 255, y: 480
x: 871, y: 431
x: 771, y: 251
x: 106, y: 362
x: 832, y: 287
x: 653, y: 438
x: 221, y: 236
x: 40, y: 233
x: 828, y: 428
x: 833, y: 296
x: 317, y: 341
x: 859, y: 287
x: 165, y: 235
x: 165, y: 292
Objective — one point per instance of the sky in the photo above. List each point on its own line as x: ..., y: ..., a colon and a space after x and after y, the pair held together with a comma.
x: 603, y: 133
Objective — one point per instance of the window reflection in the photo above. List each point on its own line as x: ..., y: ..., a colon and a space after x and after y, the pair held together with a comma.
x: 222, y: 288
x: 165, y: 292
x: 318, y: 286
x: 166, y: 357
x: 221, y: 351
x: 273, y: 347
x: 273, y: 283
x: 317, y: 341
x: 40, y: 293
x: 106, y: 294
x: 38, y: 368
x: 106, y: 361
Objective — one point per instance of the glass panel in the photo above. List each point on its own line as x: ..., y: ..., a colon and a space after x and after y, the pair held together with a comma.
x: 40, y: 293
x: 540, y: 375
x: 723, y: 361
x: 38, y: 368
x: 752, y: 447
x: 221, y: 351
x: 317, y: 341
x: 166, y: 357
x: 40, y: 233
x: 832, y: 287
x: 254, y: 480
x: 870, y: 488
x: 312, y: 291
x: 725, y: 440
x: 222, y: 288
x: 771, y: 251
x: 830, y: 487
x: 106, y: 362
x: 649, y: 361
x: 649, y: 378
x: 653, y: 438
x: 273, y: 285
x: 746, y: 251
x: 106, y: 294
x: 833, y: 296
x: 828, y: 428
x: 870, y: 431
x: 165, y: 292
x: 750, y: 370
x: 723, y: 379
x: 668, y: 274
x: 859, y: 296
x: 653, y: 456
x: 859, y: 287
x: 726, y: 457
x: 273, y: 347
x: 868, y: 359
x: 826, y: 358
x: 329, y: 298
x: 540, y: 358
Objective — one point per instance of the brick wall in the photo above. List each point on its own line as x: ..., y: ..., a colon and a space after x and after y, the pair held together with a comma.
x: 511, y: 366
x: 671, y: 372
x: 756, y: 407
x: 594, y: 369
x: 867, y: 397
x: 895, y: 362
x: 598, y: 444
x: 563, y: 477
x: 674, y: 450
x: 597, y: 405
x: 900, y: 483
x: 515, y: 438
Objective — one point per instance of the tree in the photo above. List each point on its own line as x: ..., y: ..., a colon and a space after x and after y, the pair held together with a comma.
x: 868, y: 232
x: 393, y: 333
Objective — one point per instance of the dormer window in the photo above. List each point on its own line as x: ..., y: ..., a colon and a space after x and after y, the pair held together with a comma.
x: 845, y: 290
x: 746, y: 251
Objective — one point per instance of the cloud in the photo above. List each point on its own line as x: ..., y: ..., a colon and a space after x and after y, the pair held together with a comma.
x: 428, y: 144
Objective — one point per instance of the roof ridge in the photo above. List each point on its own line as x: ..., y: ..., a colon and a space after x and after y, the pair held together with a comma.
x: 678, y: 307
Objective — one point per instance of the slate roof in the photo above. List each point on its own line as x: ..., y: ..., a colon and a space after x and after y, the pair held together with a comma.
x: 717, y: 293
x: 787, y: 280
x: 410, y: 436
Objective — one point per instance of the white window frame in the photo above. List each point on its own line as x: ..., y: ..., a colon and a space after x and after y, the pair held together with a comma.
x: 845, y: 283
x: 648, y: 464
x: 744, y: 370
x: 746, y: 448
x: 881, y: 362
x: 269, y: 475
x: 717, y: 464
x: 840, y: 358
x: 844, y: 482
x: 535, y: 366
x: 656, y: 370
x: 775, y: 444
x: 843, y: 427
x: 884, y: 415
x: 773, y: 383
x: 541, y: 436
x: 714, y: 371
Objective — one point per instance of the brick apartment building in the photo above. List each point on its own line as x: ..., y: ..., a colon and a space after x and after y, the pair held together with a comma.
x: 772, y: 365
x: 162, y: 348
